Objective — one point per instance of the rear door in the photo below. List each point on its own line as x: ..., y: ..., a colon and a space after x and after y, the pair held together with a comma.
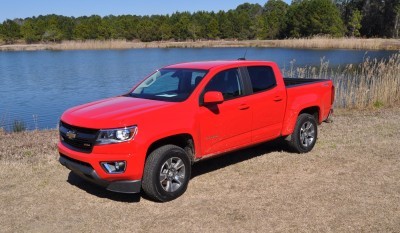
x: 268, y: 100
x: 225, y: 126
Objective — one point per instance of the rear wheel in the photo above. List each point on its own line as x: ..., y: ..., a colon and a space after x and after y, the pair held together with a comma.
x: 167, y: 173
x: 304, y: 135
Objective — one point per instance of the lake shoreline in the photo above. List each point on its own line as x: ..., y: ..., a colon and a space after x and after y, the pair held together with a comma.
x: 305, y: 43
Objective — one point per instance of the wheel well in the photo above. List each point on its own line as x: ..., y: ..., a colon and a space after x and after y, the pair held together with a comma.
x: 184, y: 141
x: 313, y: 111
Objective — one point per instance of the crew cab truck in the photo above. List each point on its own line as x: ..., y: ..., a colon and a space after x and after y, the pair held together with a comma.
x: 148, y: 138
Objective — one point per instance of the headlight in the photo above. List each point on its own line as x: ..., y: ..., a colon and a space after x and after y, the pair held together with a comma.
x: 110, y: 136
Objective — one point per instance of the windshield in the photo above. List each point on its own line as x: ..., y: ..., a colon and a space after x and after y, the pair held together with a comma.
x: 172, y: 85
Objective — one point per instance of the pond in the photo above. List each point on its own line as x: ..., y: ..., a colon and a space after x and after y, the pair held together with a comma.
x: 38, y: 86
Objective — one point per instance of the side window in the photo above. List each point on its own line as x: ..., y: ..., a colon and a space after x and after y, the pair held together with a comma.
x: 196, y: 79
x: 262, y: 78
x: 227, y: 82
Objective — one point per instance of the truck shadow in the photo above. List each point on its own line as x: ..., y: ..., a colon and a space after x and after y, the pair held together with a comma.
x: 198, y: 169
x: 213, y: 164
x: 95, y: 190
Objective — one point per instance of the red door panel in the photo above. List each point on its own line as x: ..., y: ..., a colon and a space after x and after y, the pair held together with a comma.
x: 225, y: 126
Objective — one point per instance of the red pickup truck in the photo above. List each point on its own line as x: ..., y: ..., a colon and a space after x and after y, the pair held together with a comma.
x: 149, y: 138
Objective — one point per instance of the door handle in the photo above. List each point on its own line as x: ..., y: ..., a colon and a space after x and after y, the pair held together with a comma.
x: 244, y: 107
x: 277, y: 98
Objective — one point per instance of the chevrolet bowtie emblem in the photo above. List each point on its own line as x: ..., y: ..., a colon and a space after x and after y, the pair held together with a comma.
x: 71, y: 135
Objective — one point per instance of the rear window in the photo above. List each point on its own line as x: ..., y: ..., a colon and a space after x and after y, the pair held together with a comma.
x: 262, y: 78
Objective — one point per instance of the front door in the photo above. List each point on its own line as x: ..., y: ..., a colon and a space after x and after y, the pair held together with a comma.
x: 225, y: 126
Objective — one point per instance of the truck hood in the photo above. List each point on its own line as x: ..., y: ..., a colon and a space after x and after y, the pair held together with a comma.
x: 111, y: 113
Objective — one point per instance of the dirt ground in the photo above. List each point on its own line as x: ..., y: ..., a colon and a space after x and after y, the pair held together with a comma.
x: 350, y: 182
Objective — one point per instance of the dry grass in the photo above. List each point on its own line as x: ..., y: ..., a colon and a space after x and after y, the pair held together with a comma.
x: 28, y: 146
x: 340, y: 43
x: 314, y: 43
x: 373, y: 83
x: 348, y: 183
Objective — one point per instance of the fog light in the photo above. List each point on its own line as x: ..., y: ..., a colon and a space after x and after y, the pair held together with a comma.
x: 114, y: 167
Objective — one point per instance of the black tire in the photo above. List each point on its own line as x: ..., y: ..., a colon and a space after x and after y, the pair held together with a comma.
x: 167, y: 173
x: 305, y: 133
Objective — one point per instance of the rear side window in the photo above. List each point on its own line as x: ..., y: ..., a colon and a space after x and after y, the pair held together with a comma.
x: 262, y: 78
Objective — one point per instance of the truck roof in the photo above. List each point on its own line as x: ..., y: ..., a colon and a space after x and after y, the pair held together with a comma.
x: 206, y: 65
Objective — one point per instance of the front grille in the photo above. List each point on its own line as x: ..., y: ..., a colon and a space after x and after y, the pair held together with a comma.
x: 78, y: 138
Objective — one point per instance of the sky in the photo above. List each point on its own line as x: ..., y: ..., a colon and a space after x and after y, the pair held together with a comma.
x: 10, y: 9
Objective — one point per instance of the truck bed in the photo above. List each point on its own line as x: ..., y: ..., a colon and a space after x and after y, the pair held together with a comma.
x: 291, y: 82
x: 309, y: 92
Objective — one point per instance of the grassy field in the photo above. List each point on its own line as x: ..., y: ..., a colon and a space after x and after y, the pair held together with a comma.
x: 313, y: 43
x: 348, y: 183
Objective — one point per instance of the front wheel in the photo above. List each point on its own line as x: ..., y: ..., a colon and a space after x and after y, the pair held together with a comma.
x: 167, y: 173
x: 304, y: 135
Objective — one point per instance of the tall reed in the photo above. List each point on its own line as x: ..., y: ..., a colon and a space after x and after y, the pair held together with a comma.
x: 326, y: 42
x: 314, y: 43
x: 373, y: 83
x: 320, y: 42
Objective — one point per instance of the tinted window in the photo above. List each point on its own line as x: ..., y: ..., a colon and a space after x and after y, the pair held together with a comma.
x: 165, y: 83
x: 169, y: 84
x: 227, y: 82
x: 262, y: 78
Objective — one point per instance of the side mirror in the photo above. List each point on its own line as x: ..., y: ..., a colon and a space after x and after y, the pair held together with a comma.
x: 213, y: 97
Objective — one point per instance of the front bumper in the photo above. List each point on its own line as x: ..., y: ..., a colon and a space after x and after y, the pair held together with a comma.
x: 87, y: 172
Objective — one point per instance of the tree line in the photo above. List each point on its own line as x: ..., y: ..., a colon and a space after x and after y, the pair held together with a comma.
x: 274, y: 20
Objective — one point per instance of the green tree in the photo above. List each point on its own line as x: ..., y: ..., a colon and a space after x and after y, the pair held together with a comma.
x: 107, y: 28
x: 314, y: 17
x: 195, y: 30
x: 275, y: 17
x: 391, y: 18
x: 213, y: 32
x: 104, y: 28
x: 89, y: 28
x: 225, y: 25
x: 373, y: 20
x: 396, y: 26
x: 205, y: 25
x: 260, y: 27
x: 163, y: 27
x: 241, y: 25
x: 1, y: 33
x: 28, y: 31
x: 10, y: 31
x: 165, y: 30
x: 66, y: 25
x: 245, y: 20
x: 81, y: 30
x: 53, y: 34
x: 148, y: 30
x: 181, y: 23
x: 126, y: 27
x: 198, y: 25
x: 354, y: 24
